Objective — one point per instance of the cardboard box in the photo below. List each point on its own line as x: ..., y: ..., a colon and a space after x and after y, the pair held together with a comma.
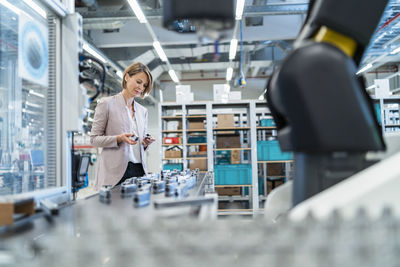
x: 196, y: 125
x: 273, y: 184
x: 201, y: 164
x: 199, y: 153
x: 225, y: 120
x: 228, y: 191
x: 235, y: 157
x: 275, y: 169
x: 172, y: 140
x: 173, y: 154
x: 229, y: 141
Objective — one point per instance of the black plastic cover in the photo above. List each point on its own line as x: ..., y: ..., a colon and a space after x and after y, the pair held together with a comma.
x: 319, y: 104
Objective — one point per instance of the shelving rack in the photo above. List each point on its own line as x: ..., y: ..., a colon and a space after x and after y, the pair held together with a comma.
x: 389, y: 117
x: 247, y: 113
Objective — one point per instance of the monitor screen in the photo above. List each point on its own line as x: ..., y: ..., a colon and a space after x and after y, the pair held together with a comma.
x: 84, y: 164
x: 37, y: 158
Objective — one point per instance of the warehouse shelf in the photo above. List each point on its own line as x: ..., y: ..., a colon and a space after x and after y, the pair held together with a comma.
x: 196, y: 116
x: 179, y: 117
x: 191, y: 158
x: 196, y: 144
x: 172, y: 144
x: 196, y: 130
x: 232, y: 185
x: 274, y: 161
x: 266, y: 128
x: 172, y: 131
x: 231, y: 128
x: 246, y: 125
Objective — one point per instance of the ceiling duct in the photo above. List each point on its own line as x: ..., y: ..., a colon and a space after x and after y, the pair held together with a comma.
x: 256, y: 21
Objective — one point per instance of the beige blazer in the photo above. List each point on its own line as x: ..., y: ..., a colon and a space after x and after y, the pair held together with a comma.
x: 110, y: 120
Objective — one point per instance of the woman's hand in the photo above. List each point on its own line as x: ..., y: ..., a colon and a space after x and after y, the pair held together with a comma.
x: 126, y: 138
x: 148, y: 140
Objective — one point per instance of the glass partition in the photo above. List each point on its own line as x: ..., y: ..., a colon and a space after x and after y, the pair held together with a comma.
x: 27, y: 103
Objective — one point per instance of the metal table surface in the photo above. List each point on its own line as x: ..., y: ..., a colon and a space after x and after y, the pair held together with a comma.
x: 88, y: 211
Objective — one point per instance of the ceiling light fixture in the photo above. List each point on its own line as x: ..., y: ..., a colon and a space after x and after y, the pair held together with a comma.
x: 396, y: 51
x: 138, y: 11
x: 94, y: 53
x: 239, y: 9
x: 10, y: 7
x: 173, y: 76
x: 232, y: 49
x: 37, y: 8
x: 160, y: 51
x: 229, y: 72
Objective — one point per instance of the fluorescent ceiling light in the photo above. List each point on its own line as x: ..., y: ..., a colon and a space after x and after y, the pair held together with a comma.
x: 229, y: 72
x: 10, y: 7
x: 91, y: 51
x: 239, y: 9
x: 160, y: 51
x: 365, y: 68
x: 37, y: 8
x: 397, y: 50
x: 232, y: 49
x: 173, y: 76
x: 119, y: 73
x: 36, y: 94
x: 138, y: 11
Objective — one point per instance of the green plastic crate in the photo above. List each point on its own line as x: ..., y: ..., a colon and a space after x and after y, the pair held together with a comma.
x: 270, y: 150
x: 232, y: 174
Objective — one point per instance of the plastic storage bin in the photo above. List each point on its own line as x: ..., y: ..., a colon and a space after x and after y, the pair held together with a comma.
x: 377, y: 107
x: 173, y: 166
x: 270, y: 150
x: 267, y: 122
x: 232, y: 174
x: 197, y: 139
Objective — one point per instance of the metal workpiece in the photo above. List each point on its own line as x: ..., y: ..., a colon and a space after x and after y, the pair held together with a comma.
x: 129, y: 240
x: 128, y: 188
x: 105, y: 194
x: 140, y: 182
x: 142, y: 197
x: 181, y: 190
x: 158, y: 187
x: 170, y: 189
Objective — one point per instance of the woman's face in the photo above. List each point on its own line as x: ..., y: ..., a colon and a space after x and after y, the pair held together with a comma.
x: 136, y: 84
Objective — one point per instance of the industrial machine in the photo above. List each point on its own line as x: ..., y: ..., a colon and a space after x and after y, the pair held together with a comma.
x: 320, y: 106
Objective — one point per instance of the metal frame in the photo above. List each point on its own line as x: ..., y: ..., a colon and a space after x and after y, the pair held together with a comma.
x: 210, y: 106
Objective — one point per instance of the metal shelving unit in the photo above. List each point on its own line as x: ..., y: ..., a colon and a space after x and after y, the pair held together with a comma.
x: 246, y: 113
x: 389, y: 116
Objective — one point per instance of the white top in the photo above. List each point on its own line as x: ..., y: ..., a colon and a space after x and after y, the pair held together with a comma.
x: 134, y: 154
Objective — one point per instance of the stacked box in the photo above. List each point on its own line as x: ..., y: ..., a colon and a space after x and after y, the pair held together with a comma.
x: 225, y: 121
x: 197, y: 139
x: 270, y: 150
x: 267, y: 122
x: 232, y: 174
x: 229, y: 141
x: 172, y: 140
x: 228, y: 191
x: 235, y: 157
x: 196, y: 125
x: 173, y: 154
x: 173, y: 166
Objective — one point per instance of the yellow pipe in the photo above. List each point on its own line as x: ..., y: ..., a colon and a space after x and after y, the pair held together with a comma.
x: 343, y: 42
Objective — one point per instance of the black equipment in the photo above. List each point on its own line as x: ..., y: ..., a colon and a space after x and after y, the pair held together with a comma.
x: 319, y: 105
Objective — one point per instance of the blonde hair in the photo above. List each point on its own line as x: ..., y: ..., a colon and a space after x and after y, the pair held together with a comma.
x: 136, y: 68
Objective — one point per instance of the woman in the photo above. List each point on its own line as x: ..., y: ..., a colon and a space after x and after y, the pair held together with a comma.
x: 117, y: 120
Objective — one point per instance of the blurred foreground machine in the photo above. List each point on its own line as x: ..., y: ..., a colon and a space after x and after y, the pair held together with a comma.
x: 319, y: 104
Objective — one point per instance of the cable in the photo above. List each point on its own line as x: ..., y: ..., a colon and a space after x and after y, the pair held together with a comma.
x: 103, y: 76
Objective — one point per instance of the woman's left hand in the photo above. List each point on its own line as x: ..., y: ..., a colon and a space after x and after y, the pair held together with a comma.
x: 147, y: 141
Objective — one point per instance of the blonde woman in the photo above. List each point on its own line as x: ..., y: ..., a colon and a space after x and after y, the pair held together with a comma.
x: 117, y: 121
